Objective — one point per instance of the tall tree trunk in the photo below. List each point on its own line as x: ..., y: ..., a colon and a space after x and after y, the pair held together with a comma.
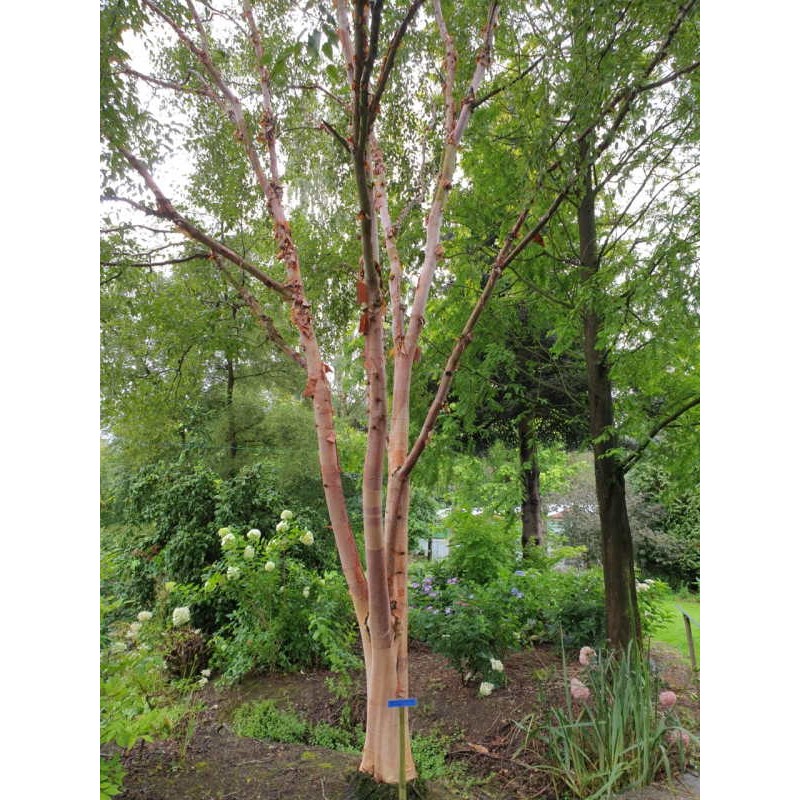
x: 622, y: 614
x: 233, y: 443
x: 532, y: 522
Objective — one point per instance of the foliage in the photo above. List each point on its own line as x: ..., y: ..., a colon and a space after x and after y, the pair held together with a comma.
x: 670, y: 548
x: 614, y: 736
x: 165, y: 524
x: 137, y: 701
x: 664, y: 517
x: 264, y: 720
x: 483, y: 547
x: 471, y: 623
x: 430, y: 755
x: 286, y: 615
x: 652, y: 597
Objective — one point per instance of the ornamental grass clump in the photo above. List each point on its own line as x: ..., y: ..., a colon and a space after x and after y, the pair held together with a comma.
x: 616, y: 732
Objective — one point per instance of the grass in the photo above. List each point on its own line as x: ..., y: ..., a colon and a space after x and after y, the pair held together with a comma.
x: 674, y: 632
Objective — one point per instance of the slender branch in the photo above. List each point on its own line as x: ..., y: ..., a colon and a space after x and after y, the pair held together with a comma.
x: 326, y: 126
x: 204, y: 91
x: 257, y: 310
x: 450, y: 61
x: 389, y: 237
x: 489, y: 95
x: 166, y: 262
x: 391, y: 55
x: 671, y: 77
x: 636, y: 455
x: 315, y: 87
x: 166, y: 210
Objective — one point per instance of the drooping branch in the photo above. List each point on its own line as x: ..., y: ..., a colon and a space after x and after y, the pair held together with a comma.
x: 638, y: 451
x: 262, y: 318
x: 165, y: 210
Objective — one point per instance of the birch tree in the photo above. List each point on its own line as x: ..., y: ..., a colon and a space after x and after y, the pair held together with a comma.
x: 224, y: 67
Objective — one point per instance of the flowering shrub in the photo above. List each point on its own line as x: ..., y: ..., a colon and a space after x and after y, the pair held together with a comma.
x: 651, y: 597
x: 285, y: 615
x: 472, y: 624
x: 464, y: 623
x: 137, y: 701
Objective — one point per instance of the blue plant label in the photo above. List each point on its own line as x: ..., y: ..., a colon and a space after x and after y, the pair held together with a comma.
x: 402, y: 702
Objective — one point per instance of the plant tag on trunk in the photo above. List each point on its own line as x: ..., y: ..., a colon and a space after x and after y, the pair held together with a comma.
x: 402, y: 702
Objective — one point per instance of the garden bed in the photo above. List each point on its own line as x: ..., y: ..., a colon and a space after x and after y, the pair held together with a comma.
x: 486, y: 759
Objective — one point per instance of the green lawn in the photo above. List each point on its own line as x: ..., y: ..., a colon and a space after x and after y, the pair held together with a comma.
x: 674, y: 632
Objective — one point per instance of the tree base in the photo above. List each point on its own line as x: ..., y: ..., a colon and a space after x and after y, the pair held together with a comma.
x: 361, y: 786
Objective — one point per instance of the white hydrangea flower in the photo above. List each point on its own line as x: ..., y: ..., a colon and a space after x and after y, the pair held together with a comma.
x: 233, y: 573
x: 254, y: 534
x: 206, y: 673
x: 143, y: 616
x: 307, y: 538
x: 282, y: 526
x: 118, y: 647
x: 228, y: 539
x: 306, y: 591
x: 486, y: 689
x: 180, y: 616
x: 223, y: 532
x: 497, y: 664
x: 133, y: 630
x: 286, y: 514
x: 249, y: 552
x: 202, y: 681
x: 269, y: 566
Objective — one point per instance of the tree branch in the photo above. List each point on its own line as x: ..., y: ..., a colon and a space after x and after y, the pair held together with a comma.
x: 391, y: 55
x: 167, y: 211
x: 636, y: 455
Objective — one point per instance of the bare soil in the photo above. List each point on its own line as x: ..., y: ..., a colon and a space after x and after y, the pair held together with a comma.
x: 494, y: 740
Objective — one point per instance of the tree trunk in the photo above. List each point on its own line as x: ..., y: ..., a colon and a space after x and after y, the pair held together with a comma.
x: 532, y: 522
x: 622, y: 615
x: 233, y: 443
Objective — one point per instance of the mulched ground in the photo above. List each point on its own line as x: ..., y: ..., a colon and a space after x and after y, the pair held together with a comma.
x: 494, y: 739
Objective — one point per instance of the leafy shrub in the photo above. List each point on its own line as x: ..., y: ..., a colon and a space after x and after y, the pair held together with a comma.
x: 651, y: 597
x: 483, y: 546
x: 112, y: 774
x: 264, y: 720
x: 137, y: 702
x: 430, y: 755
x: 286, y: 616
x: 471, y: 624
x: 187, y: 552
